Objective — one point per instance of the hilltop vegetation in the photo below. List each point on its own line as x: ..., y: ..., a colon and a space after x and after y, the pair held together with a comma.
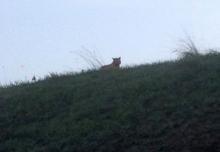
x: 168, y: 107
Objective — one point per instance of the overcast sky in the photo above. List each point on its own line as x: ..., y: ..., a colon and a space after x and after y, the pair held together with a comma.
x: 41, y: 36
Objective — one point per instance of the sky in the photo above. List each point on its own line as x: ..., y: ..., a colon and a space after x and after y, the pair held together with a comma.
x: 38, y: 37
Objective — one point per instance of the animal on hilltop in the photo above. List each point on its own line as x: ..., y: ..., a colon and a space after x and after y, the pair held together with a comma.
x: 114, y: 65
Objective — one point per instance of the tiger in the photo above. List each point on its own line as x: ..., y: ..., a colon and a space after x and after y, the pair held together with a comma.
x: 114, y: 65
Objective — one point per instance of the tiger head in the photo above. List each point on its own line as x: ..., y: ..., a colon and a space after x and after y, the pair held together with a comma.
x: 116, y: 61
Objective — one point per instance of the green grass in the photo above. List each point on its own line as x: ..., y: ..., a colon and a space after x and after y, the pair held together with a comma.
x: 169, y: 106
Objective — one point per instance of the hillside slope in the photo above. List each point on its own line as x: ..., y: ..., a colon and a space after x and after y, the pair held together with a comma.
x: 170, y: 106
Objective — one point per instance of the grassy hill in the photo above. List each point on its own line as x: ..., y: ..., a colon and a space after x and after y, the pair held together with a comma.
x: 168, y: 107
